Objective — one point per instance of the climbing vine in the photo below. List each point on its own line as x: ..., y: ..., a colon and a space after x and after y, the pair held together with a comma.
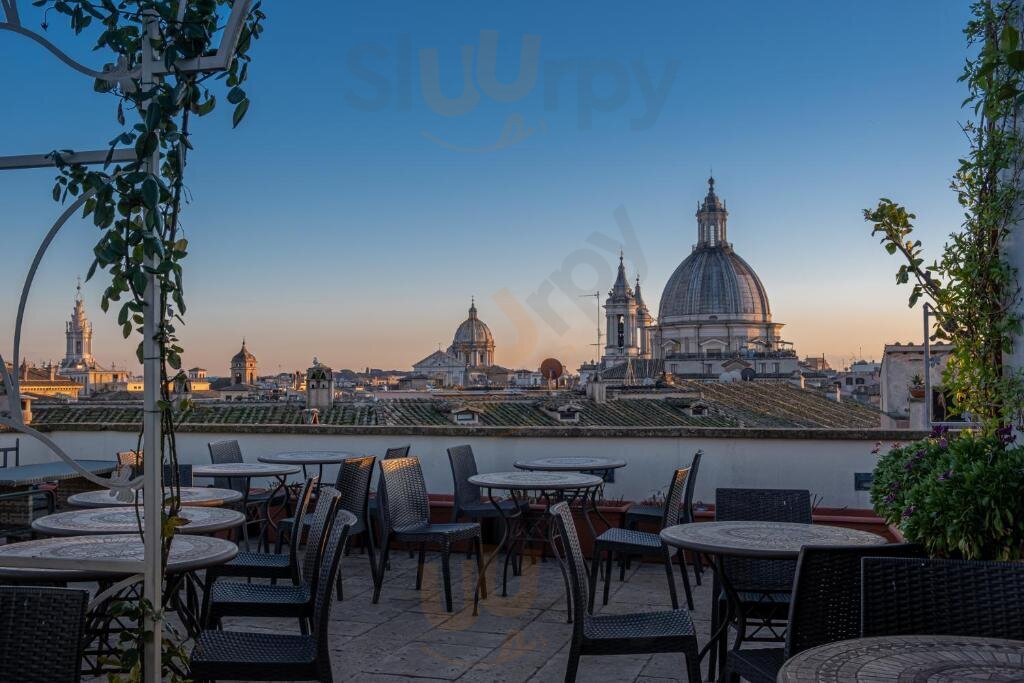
x: 972, y: 287
x: 137, y: 205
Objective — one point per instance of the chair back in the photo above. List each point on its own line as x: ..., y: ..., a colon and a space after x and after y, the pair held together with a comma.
x: 826, y: 593
x: 334, y: 548
x: 686, y: 511
x: 41, y: 633
x: 327, y: 500
x: 566, y: 543
x: 942, y: 597
x: 397, y: 452
x: 762, y: 505
x: 354, y: 484
x: 222, y: 452
x: 463, y: 465
x: 184, y: 473
x: 670, y: 512
x: 302, y: 504
x: 15, y: 450
x: 405, y: 502
x: 131, y: 460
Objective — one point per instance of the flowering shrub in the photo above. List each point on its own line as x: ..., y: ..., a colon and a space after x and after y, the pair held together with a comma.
x: 959, y: 496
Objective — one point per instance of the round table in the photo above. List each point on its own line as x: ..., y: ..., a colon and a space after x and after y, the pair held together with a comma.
x: 935, y: 659
x: 305, y: 458
x: 754, y: 539
x: 246, y: 471
x: 552, y: 486
x: 191, y: 496
x: 188, y: 553
x: 123, y: 520
x: 602, y: 467
x: 181, y: 593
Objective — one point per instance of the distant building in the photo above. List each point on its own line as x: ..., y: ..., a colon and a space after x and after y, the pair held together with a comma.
x: 473, y: 342
x: 901, y: 378
x: 714, y: 319
x: 319, y: 387
x: 860, y: 381
x: 45, y: 382
x: 442, y: 369
x: 244, y: 367
x: 79, y: 365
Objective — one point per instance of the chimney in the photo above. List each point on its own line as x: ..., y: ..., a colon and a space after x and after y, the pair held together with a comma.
x: 839, y: 394
x: 53, y: 372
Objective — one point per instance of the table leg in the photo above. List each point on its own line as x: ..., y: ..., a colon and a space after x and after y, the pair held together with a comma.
x: 268, y: 520
x: 505, y: 535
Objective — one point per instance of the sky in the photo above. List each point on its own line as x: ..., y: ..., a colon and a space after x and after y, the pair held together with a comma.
x: 401, y: 158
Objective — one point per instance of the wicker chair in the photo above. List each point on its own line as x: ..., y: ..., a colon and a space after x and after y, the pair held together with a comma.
x: 942, y: 597
x: 763, y: 586
x: 616, y: 634
x: 354, y: 484
x: 628, y: 542
x: 264, y: 565
x: 825, y: 607
x: 131, y: 460
x: 374, y: 504
x: 41, y: 634
x: 467, y: 501
x: 224, y: 452
x: 237, y: 599
x: 7, y: 451
x: 637, y: 514
x: 406, y: 518
x: 250, y: 656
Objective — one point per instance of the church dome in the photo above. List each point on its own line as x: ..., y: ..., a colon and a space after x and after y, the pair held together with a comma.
x: 243, y: 356
x: 473, y: 330
x: 713, y: 281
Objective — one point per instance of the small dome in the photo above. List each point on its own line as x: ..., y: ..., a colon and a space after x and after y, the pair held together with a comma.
x: 473, y: 330
x: 243, y: 356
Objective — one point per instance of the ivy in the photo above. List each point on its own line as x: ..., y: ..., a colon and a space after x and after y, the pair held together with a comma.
x: 972, y: 287
x: 137, y: 205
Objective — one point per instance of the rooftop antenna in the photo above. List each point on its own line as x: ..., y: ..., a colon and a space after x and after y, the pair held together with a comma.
x: 597, y: 344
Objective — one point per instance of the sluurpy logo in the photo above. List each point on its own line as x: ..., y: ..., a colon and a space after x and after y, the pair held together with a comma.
x: 383, y: 78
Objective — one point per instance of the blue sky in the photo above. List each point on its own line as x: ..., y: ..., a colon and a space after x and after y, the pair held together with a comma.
x: 353, y: 214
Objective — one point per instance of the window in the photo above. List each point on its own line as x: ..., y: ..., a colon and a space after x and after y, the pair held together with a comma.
x: 708, y: 369
x: 621, y: 327
x: 860, y: 380
x: 849, y: 381
x: 775, y: 367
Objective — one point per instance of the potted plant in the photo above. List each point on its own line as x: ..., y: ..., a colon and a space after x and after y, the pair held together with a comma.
x: 917, y: 386
x: 959, y: 496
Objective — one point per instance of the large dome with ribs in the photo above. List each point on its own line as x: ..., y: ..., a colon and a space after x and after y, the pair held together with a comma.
x: 713, y: 280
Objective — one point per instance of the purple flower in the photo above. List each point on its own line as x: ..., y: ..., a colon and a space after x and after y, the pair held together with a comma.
x: 939, y: 431
x: 1006, y: 435
x: 943, y: 442
x: 946, y: 476
x: 891, y: 498
x: 909, y: 511
x: 878, y: 447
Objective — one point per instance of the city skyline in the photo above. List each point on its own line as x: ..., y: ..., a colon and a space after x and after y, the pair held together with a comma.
x: 380, y: 219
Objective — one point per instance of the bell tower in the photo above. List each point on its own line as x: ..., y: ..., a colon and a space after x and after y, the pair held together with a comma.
x: 78, y: 334
x: 712, y: 220
x: 622, y: 334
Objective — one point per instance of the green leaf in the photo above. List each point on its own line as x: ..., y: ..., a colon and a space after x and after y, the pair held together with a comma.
x: 239, y: 114
x: 1009, y: 39
x: 236, y: 95
x: 151, y: 193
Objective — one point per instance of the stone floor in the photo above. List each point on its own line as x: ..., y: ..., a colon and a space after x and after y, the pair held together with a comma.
x: 524, y: 637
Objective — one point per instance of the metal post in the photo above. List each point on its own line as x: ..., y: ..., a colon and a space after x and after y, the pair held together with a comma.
x: 927, y: 312
x: 151, y: 426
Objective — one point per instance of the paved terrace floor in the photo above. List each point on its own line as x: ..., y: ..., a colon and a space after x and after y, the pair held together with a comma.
x: 408, y: 636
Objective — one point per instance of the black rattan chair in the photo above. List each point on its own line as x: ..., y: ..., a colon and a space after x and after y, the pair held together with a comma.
x: 764, y: 586
x: 467, y: 501
x: 354, y: 484
x: 7, y: 451
x: 250, y: 656
x: 406, y: 518
x: 942, y: 597
x: 237, y: 599
x: 264, y: 565
x: 626, y: 542
x: 651, y: 514
x: 825, y: 607
x: 226, y: 452
x: 41, y: 634
x: 616, y: 634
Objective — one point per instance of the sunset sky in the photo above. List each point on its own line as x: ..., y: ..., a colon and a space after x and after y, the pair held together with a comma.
x: 362, y: 202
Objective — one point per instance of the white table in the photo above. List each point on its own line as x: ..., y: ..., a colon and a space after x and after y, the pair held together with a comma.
x: 123, y: 520
x: 247, y: 471
x: 191, y: 496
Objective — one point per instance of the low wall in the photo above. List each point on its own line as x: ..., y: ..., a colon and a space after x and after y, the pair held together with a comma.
x: 821, y: 461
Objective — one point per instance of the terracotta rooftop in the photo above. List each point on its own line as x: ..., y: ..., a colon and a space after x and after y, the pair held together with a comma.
x: 741, y: 404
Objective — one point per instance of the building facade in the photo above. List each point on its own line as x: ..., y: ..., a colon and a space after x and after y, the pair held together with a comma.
x: 714, y: 320
x: 244, y: 367
x: 79, y: 365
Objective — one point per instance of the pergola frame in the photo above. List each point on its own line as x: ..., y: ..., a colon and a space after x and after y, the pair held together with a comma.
x: 151, y: 69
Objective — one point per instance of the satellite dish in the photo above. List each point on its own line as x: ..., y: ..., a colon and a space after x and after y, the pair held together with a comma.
x: 551, y: 369
x: 748, y: 374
